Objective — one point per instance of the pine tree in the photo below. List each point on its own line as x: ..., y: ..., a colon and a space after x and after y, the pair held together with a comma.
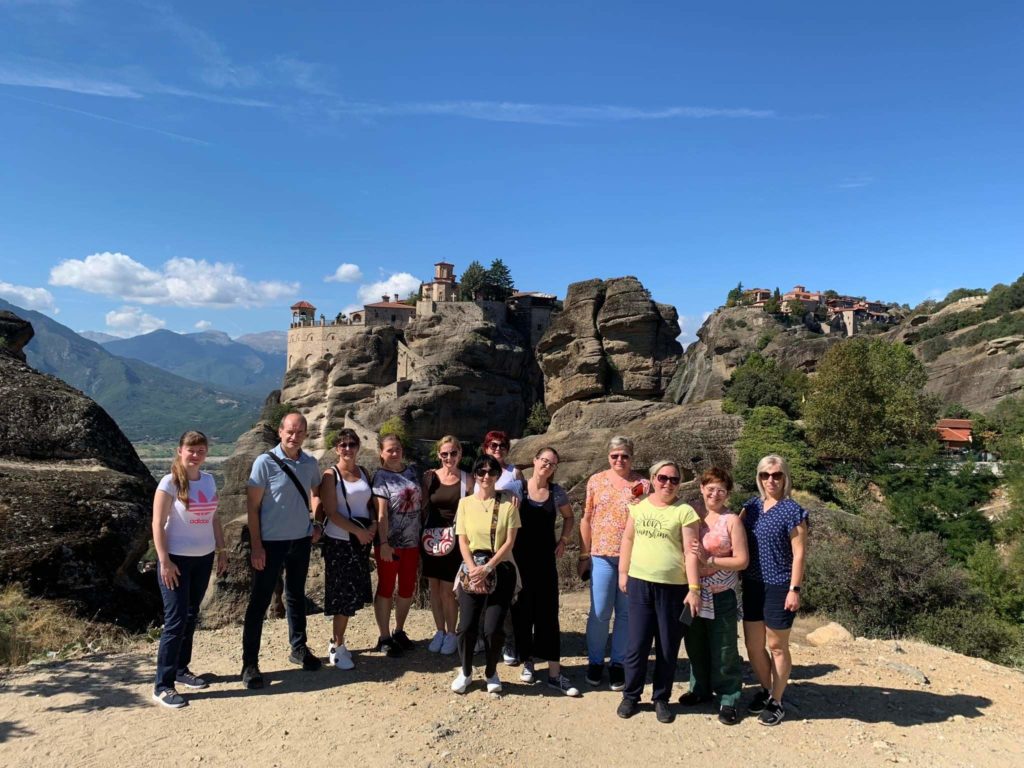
x: 500, y: 277
x: 473, y: 277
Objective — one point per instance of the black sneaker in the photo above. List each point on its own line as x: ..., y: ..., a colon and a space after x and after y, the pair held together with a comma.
x: 773, y: 713
x: 691, y: 699
x: 594, y: 673
x: 728, y: 716
x: 304, y: 658
x: 389, y: 646
x: 616, y: 677
x: 757, y: 705
x: 252, y: 677
x: 188, y: 680
x: 402, y: 640
x: 627, y: 708
x: 663, y: 712
x: 169, y: 698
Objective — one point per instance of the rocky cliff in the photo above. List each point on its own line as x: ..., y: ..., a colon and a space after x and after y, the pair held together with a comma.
x: 75, y: 499
x: 609, y: 339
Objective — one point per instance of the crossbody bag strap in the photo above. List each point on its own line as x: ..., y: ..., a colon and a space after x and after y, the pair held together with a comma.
x: 494, y: 522
x: 291, y: 475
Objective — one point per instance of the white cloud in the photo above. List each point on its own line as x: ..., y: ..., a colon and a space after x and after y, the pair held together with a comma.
x: 182, y: 282
x: 346, y: 273
x: 398, y: 286
x: 28, y: 298
x: 688, y: 327
x: 131, y: 321
x: 204, y: 325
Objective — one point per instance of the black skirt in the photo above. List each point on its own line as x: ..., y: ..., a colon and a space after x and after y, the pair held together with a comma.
x: 347, y: 577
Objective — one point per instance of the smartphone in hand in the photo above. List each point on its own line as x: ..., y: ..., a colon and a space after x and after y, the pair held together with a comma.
x: 686, y: 617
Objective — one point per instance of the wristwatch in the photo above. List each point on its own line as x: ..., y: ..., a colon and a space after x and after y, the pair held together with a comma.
x: 795, y: 589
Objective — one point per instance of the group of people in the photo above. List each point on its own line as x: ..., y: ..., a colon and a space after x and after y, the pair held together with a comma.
x: 486, y: 542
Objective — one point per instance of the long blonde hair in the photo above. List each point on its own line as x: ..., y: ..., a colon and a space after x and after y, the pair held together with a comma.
x: 192, y: 437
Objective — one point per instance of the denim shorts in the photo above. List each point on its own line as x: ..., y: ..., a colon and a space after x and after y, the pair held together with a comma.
x: 767, y: 603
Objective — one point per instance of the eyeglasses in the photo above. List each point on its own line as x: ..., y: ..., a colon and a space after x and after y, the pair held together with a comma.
x: 548, y: 462
x: 448, y: 454
x: 348, y: 446
x: 778, y: 477
x: 482, y: 473
x: 497, y: 446
x: 715, y: 491
x: 619, y: 456
x: 667, y: 479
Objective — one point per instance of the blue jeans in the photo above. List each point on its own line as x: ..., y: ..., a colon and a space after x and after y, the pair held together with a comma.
x: 181, y: 611
x: 293, y: 557
x: 605, y: 597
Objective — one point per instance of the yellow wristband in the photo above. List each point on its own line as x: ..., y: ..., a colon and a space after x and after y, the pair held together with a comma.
x: 695, y: 587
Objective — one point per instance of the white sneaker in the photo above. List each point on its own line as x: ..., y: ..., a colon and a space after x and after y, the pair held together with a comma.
x: 562, y: 683
x: 450, y: 644
x: 435, y: 644
x: 527, y: 674
x: 461, y: 682
x: 493, y: 684
x: 340, y: 657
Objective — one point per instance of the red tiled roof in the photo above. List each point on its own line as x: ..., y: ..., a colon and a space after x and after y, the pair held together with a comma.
x: 947, y: 435
x: 954, y: 424
x: 302, y: 305
x: 390, y: 305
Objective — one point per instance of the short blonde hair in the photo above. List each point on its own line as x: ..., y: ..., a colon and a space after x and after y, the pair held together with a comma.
x: 448, y: 439
x: 657, y: 466
x: 773, y: 460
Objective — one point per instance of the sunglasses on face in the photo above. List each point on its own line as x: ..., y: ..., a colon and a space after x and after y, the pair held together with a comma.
x: 548, y: 462
x: 669, y: 479
x: 348, y: 446
x: 448, y: 454
x: 482, y: 473
x: 778, y: 477
x: 497, y: 446
x: 619, y: 456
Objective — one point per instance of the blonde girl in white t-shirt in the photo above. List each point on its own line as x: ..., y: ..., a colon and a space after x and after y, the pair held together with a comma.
x: 186, y: 536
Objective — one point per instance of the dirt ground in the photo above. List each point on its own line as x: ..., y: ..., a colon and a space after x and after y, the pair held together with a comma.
x: 864, y: 703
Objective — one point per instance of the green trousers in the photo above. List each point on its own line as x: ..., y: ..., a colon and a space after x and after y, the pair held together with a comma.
x: 714, y: 659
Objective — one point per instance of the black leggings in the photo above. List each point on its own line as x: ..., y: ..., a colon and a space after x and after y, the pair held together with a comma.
x: 535, y: 616
x: 493, y: 608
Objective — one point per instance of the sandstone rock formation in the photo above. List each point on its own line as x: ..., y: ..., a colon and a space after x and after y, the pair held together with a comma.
x: 697, y: 435
x: 610, y: 339
x: 979, y: 376
x: 75, y: 499
x: 829, y: 634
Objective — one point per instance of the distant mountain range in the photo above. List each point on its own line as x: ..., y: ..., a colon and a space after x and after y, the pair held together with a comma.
x: 147, y: 402
x: 267, y: 341
x: 209, y: 357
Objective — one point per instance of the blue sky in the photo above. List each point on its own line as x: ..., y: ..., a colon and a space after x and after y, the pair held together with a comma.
x: 194, y: 165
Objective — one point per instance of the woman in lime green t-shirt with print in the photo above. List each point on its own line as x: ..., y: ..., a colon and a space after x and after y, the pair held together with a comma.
x: 659, y: 573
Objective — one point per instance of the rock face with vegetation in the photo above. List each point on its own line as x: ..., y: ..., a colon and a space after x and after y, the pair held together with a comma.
x: 75, y: 499
x: 610, y: 339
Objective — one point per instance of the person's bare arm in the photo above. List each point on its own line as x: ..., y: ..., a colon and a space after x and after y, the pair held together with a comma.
x: 169, y: 573
x: 253, y: 499
x: 798, y: 540
x: 626, y: 553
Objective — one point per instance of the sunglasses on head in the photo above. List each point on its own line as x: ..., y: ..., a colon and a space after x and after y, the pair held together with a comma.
x: 497, y: 446
x: 486, y: 473
x: 348, y: 446
x: 619, y: 456
x: 670, y: 479
x: 778, y: 477
x: 448, y: 454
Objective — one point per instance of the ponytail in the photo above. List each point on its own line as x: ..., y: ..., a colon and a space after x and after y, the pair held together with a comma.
x: 192, y: 437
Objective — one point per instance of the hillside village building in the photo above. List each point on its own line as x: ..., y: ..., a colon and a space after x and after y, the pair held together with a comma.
x: 841, y: 314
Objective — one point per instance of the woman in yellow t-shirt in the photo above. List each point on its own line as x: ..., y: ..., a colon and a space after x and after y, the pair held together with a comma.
x: 486, y: 523
x: 659, y: 573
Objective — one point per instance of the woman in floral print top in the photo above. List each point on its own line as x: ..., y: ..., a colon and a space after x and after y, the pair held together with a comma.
x: 609, y: 496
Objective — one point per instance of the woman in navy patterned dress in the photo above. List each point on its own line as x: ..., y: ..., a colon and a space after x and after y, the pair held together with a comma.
x: 777, y: 537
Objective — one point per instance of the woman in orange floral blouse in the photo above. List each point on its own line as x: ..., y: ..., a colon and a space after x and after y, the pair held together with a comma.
x: 609, y: 496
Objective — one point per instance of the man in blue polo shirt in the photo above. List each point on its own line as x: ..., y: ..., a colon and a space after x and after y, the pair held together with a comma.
x: 281, y: 533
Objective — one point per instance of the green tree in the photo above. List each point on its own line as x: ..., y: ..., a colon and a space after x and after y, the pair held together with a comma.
x: 472, y: 278
x: 867, y: 396
x: 538, y: 420
x: 767, y: 430
x: 761, y: 381
x: 500, y: 277
x: 735, y: 296
x: 796, y: 309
